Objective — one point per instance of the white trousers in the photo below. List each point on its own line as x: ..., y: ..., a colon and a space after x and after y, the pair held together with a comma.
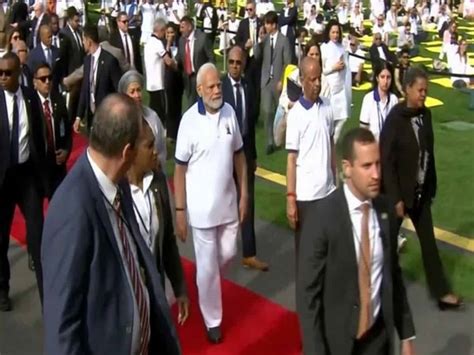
x: 214, y: 248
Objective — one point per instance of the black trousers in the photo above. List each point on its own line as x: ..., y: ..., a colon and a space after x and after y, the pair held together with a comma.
x: 22, y: 187
x: 253, y: 73
x: 190, y: 92
x: 423, y: 222
x: 374, y: 342
x: 158, y: 104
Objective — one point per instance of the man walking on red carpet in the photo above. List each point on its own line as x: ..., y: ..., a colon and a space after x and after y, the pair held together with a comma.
x: 208, y: 149
x: 350, y: 291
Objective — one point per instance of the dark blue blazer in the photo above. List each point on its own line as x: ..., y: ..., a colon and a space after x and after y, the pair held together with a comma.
x: 250, y: 110
x: 88, y: 304
x: 36, y: 137
x: 37, y: 57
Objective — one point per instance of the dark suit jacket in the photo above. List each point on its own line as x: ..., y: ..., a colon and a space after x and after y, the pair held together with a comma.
x: 36, y: 137
x: 116, y: 41
x: 202, y: 51
x: 37, y: 56
x: 375, y: 56
x: 88, y: 304
x: 250, y: 111
x: 400, y: 150
x: 243, y: 32
x: 327, y: 284
x: 25, y: 70
x: 32, y: 25
x: 107, y: 78
x: 72, y: 57
x: 168, y: 258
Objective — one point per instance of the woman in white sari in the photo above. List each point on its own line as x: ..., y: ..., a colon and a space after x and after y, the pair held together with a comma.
x: 336, y: 83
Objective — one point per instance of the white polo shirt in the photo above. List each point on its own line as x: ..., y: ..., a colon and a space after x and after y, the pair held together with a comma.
x: 374, y: 112
x: 309, y: 129
x: 153, y: 54
x: 206, y: 144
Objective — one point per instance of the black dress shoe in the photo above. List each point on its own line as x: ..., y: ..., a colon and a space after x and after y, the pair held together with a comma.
x: 5, y: 302
x: 443, y: 306
x: 270, y: 149
x: 214, y: 335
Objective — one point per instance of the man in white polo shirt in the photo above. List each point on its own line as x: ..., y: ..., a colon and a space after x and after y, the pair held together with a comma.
x: 208, y: 150
x: 311, y: 166
x: 156, y: 57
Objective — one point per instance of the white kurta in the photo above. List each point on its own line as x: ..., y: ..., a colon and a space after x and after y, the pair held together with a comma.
x: 148, y: 17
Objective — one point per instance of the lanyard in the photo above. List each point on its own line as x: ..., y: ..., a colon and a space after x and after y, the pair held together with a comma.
x: 381, y: 114
x: 142, y: 221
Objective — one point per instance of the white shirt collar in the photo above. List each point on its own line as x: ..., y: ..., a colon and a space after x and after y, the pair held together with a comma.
x: 108, y: 188
x: 96, y: 54
x: 353, y: 202
x: 147, y: 179
x: 44, y: 47
x: 191, y: 36
x: 124, y: 33
x: 43, y: 99
x: 233, y: 82
x: 18, y: 93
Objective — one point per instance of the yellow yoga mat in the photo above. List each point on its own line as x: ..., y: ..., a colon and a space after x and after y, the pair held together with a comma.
x: 218, y: 52
x: 363, y: 87
x: 434, y: 49
x: 367, y: 23
x: 444, y: 82
x: 432, y: 102
x: 419, y: 59
x: 432, y: 43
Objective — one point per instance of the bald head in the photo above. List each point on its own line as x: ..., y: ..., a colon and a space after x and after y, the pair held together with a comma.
x: 310, y: 73
x: 46, y: 35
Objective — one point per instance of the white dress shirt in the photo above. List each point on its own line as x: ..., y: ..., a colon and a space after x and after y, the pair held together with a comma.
x: 23, y: 124
x: 191, y: 39
x: 96, y: 56
x: 144, y: 206
x: 126, y: 36
x: 42, y: 100
x: 376, y: 249
x: 242, y: 93
x: 48, y: 54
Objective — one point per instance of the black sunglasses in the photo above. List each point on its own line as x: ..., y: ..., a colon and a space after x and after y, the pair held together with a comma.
x: 232, y: 62
x: 124, y: 21
x: 249, y: 9
x: 7, y: 73
x: 352, y: 44
x: 44, y: 78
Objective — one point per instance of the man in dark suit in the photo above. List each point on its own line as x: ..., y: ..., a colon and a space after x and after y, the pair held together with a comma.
x: 239, y: 94
x: 22, y: 153
x: 273, y: 49
x: 287, y: 22
x: 101, y: 76
x: 45, y: 52
x: 72, y: 55
x: 102, y: 289
x: 246, y: 37
x: 379, y: 51
x: 58, y: 129
x: 26, y: 77
x: 350, y: 291
x: 128, y: 42
x: 194, y: 50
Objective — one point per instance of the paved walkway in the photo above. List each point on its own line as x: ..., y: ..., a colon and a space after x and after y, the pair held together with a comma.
x: 438, y: 333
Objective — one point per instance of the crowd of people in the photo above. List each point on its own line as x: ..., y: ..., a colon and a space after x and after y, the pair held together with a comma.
x: 108, y: 241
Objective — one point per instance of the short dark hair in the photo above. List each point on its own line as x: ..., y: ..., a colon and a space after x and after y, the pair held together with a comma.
x: 379, y: 66
x: 91, y: 31
x: 71, y: 12
x: 121, y: 13
x: 188, y: 20
x: 14, y: 58
x: 412, y: 74
x: 328, y: 27
x: 271, y: 17
x: 356, y: 135
x: 51, y: 16
x: 116, y: 123
x: 41, y: 65
x: 404, y: 50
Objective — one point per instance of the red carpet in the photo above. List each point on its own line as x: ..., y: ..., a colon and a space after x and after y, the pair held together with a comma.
x: 252, y: 325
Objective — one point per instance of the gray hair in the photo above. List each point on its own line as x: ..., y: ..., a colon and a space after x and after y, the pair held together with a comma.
x: 202, y: 70
x: 131, y: 76
x: 159, y: 23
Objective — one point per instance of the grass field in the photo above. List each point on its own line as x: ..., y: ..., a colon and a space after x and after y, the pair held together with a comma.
x: 454, y: 206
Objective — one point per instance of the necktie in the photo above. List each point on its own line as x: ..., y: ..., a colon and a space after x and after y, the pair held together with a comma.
x: 92, y: 86
x: 188, y: 67
x: 55, y: 41
x: 127, y: 49
x: 365, y: 290
x: 14, y: 144
x: 238, y: 107
x: 49, y: 127
x: 271, y: 57
x: 252, y: 30
x: 48, y: 56
x: 137, y: 283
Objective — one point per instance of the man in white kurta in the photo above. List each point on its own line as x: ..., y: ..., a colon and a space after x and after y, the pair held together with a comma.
x: 209, y: 149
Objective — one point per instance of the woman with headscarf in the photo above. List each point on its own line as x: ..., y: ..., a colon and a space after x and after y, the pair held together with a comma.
x: 131, y: 84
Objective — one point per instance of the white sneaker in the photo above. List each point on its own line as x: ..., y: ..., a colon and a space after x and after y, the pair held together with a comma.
x: 402, y: 241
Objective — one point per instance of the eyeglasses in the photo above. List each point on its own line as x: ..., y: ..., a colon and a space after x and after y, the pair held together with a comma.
x: 44, y: 78
x: 237, y: 62
x: 6, y: 73
x: 405, y: 56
